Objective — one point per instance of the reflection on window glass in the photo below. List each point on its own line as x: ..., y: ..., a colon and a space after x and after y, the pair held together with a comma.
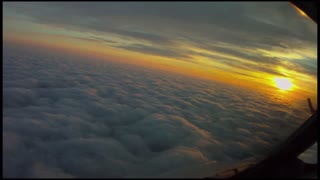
x: 141, y: 89
x: 310, y: 155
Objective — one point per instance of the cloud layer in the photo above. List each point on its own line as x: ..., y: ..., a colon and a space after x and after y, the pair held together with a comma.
x: 67, y: 116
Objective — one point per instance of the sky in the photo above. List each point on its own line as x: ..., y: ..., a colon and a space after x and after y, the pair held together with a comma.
x: 248, y: 44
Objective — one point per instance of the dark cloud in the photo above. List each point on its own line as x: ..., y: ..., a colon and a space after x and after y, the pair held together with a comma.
x: 267, y: 69
x: 265, y: 64
x: 145, y: 36
x: 305, y: 66
x: 155, y: 51
x: 244, y: 74
x: 257, y: 58
x: 67, y: 116
x: 256, y: 68
x: 96, y: 39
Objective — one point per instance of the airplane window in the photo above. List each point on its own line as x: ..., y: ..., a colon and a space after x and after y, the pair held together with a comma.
x: 152, y: 89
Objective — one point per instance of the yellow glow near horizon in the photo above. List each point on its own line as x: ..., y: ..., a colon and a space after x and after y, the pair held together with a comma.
x: 205, y: 69
x: 283, y: 83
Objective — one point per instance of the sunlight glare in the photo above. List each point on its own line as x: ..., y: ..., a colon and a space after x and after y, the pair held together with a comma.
x: 283, y: 83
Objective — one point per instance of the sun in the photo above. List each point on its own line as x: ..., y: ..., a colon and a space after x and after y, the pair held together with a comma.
x: 283, y: 83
